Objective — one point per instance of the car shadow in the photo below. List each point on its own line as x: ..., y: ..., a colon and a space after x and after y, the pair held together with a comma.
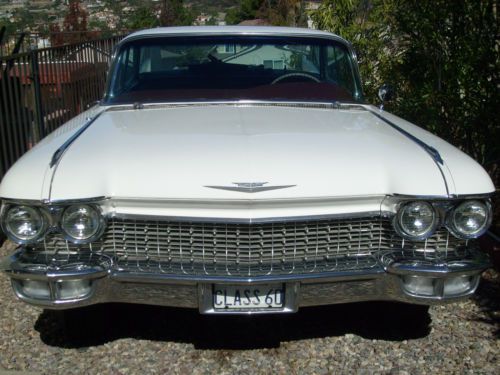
x: 487, y: 297
x: 96, y: 325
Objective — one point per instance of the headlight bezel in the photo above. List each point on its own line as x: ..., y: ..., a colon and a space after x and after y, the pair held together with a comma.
x: 451, y: 225
x: 444, y: 209
x: 100, y: 229
x: 52, y: 215
x: 398, y: 227
x: 44, y: 217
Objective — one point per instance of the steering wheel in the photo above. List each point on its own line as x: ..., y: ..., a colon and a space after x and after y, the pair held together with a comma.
x: 301, y: 75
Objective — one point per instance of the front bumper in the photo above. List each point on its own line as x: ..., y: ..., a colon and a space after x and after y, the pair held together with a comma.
x: 405, y: 280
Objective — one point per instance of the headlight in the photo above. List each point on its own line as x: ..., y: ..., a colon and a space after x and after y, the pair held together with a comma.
x: 469, y: 219
x: 416, y: 220
x: 81, y: 223
x: 24, y: 224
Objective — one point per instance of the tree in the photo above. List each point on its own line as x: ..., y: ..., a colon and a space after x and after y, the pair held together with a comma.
x: 75, y: 22
x: 276, y: 12
x: 283, y: 12
x: 24, y: 19
x: 76, y: 17
x: 366, y: 24
x: 143, y: 17
x: 212, y: 21
x: 246, y: 11
x: 55, y: 35
x: 232, y: 16
x: 173, y: 13
x: 10, y: 28
x: 450, y: 69
x: 100, y: 28
x: 75, y: 27
x: 443, y: 56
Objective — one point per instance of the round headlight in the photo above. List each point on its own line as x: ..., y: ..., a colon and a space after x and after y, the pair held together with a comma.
x: 416, y: 220
x: 81, y: 223
x: 470, y: 219
x: 24, y: 224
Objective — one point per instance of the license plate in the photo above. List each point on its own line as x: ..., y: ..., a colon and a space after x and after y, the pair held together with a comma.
x: 227, y: 297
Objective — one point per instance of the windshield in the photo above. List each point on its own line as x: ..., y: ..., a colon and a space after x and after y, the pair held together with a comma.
x: 233, y: 68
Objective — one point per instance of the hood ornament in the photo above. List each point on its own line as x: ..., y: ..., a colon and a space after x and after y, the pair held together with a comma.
x: 249, y: 187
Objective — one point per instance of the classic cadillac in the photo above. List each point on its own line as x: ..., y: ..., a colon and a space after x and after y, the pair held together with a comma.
x: 238, y: 170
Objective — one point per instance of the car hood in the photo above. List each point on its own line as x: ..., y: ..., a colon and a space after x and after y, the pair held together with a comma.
x: 200, y: 152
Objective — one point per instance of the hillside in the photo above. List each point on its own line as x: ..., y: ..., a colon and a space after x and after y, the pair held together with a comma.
x: 211, y: 7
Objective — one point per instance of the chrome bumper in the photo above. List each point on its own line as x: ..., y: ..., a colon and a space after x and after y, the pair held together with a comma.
x: 412, y: 281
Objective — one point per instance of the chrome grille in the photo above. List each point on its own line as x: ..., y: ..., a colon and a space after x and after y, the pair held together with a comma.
x: 219, y: 249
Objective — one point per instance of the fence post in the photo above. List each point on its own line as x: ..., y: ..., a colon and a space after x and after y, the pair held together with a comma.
x: 38, y: 128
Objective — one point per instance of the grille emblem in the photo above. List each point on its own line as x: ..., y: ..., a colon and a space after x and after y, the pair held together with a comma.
x: 249, y: 187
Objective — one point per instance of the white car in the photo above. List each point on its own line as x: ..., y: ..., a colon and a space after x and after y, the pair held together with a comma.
x: 238, y: 170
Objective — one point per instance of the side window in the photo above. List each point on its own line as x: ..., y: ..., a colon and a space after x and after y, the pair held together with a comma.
x: 130, y: 74
x: 145, y: 60
x: 339, y: 70
x: 127, y: 70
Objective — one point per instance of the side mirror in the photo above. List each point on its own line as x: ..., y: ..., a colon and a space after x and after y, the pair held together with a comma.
x: 385, y: 94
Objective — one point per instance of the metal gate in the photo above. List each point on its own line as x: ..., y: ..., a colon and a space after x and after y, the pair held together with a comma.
x: 41, y: 89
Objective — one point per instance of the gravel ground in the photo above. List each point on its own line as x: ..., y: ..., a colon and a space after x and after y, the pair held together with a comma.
x: 365, y: 338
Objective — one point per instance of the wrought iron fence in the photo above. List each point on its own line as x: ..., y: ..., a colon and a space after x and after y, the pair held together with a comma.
x: 43, y: 88
x: 25, y: 41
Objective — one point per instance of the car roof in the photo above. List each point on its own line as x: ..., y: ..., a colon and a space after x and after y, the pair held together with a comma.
x: 232, y: 30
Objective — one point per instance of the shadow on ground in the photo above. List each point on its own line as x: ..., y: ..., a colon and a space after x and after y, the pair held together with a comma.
x: 487, y: 297
x: 99, y: 324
